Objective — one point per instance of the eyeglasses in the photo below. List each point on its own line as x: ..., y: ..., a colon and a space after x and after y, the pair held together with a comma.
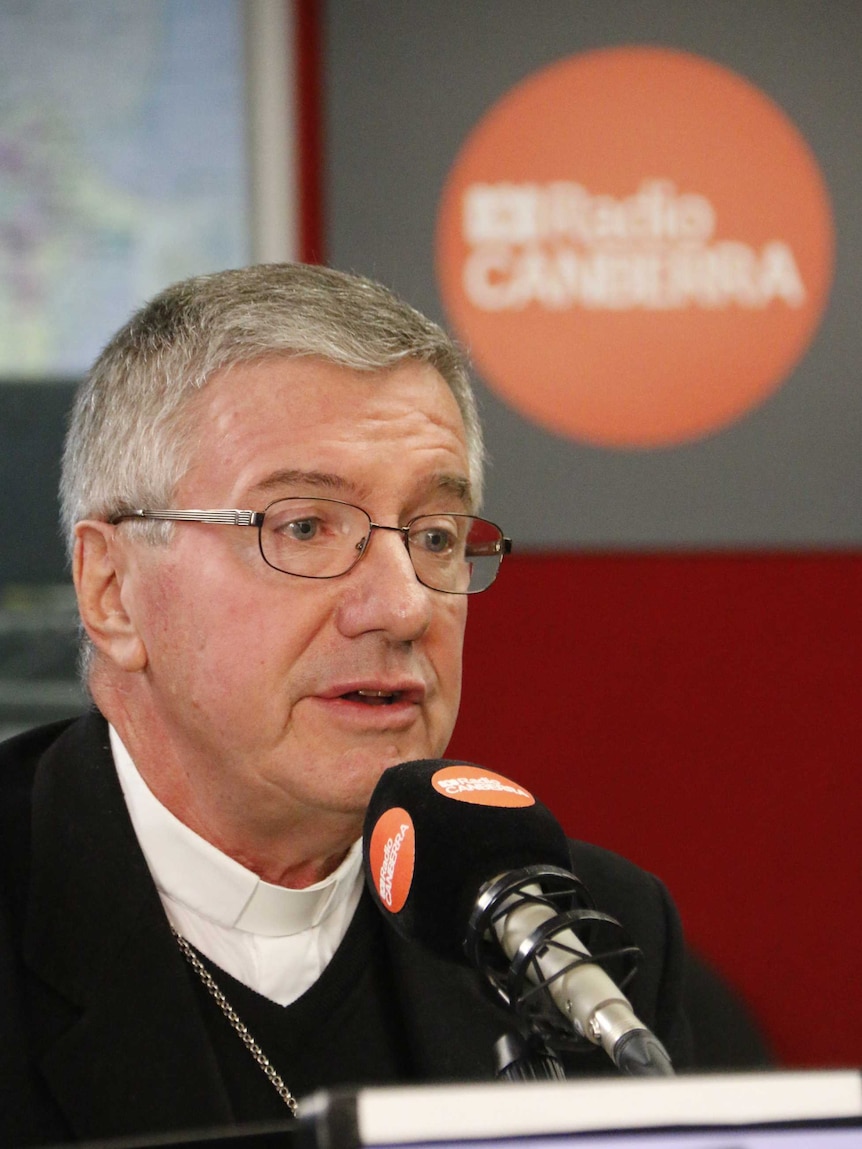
x: 325, y: 538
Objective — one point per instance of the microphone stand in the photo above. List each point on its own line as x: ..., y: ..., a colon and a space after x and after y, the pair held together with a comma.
x: 526, y: 1058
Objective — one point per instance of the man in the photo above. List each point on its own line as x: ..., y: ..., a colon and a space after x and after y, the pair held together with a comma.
x: 270, y: 487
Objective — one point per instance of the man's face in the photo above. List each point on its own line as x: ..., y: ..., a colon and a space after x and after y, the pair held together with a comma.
x: 253, y: 677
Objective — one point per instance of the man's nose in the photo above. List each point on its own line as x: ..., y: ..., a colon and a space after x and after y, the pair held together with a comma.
x: 382, y: 592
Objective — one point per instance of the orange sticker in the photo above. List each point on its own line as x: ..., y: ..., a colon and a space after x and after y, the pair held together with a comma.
x: 392, y: 855
x: 480, y: 787
x: 637, y: 246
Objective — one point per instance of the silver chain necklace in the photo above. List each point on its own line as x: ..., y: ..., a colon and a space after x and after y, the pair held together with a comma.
x: 236, y: 1023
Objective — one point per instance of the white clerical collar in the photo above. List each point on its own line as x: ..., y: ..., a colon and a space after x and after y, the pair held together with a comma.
x: 189, y: 869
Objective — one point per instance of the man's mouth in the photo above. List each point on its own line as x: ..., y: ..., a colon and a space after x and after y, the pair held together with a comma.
x: 373, y: 697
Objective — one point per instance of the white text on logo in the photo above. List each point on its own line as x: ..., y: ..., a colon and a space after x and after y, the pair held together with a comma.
x: 387, y: 866
x: 559, y: 246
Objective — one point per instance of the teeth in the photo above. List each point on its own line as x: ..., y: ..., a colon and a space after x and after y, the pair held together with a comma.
x: 375, y: 693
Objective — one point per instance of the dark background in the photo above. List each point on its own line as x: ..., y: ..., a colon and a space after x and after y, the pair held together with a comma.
x: 37, y: 605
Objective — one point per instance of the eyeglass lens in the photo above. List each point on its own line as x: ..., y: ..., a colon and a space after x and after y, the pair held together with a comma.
x: 324, y: 538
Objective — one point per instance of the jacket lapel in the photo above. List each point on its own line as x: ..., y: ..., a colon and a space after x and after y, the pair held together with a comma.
x: 120, y: 1040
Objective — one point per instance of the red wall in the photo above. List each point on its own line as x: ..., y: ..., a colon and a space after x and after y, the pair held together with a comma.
x: 699, y: 713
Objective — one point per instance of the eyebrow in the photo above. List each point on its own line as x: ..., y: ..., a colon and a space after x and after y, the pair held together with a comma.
x: 456, y: 485
x: 292, y: 478
x: 333, y: 484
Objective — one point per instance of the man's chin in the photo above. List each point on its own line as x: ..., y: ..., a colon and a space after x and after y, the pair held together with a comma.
x: 363, y: 770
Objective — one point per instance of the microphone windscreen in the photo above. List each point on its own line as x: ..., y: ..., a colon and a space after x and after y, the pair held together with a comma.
x: 436, y: 831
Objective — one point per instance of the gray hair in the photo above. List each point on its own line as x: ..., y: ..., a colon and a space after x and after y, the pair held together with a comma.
x: 131, y: 435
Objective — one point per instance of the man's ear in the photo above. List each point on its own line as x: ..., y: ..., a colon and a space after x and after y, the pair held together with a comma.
x: 98, y: 570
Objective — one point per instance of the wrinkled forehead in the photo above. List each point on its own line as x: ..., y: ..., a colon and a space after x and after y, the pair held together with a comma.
x: 451, y: 487
x: 277, y: 422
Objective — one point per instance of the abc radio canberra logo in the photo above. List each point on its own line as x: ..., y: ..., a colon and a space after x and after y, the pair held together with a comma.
x: 392, y: 857
x: 480, y: 787
x: 636, y: 245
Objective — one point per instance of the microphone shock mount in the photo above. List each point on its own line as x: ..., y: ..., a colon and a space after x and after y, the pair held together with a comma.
x: 568, y: 932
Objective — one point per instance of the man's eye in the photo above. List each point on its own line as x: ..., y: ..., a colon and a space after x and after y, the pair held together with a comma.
x: 302, y: 530
x: 436, y: 541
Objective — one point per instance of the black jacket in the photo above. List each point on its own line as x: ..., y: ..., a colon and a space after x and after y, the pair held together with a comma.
x: 100, y: 1031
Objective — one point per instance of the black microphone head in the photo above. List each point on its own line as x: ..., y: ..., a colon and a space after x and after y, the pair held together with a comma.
x: 436, y: 831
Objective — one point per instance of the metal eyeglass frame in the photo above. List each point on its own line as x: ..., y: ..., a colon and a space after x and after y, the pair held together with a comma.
x: 241, y: 518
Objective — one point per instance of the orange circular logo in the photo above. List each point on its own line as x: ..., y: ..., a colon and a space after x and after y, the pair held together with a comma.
x: 636, y: 245
x: 480, y: 787
x: 392, y: 856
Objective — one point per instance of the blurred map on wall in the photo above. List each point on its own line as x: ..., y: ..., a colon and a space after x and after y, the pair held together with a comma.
x: 123, y: 167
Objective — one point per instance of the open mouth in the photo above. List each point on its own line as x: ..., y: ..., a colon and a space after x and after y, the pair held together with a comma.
x: 373, y: 697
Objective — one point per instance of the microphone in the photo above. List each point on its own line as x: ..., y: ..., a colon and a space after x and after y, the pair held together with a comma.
x: 470, y: 864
